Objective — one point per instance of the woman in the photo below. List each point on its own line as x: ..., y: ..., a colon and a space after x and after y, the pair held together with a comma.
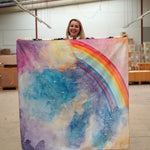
x: 75, y: 30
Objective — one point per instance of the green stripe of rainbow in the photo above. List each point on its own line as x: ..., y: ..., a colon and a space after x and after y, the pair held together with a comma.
x: 103, y: 65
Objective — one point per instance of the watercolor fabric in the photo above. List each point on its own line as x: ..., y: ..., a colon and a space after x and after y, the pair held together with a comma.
x: 73, y: 94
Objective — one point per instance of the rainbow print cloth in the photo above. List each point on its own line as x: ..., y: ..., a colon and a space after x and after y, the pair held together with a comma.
x: 73, y: 94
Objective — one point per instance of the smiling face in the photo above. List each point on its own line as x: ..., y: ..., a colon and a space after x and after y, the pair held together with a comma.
x: 74, y: 29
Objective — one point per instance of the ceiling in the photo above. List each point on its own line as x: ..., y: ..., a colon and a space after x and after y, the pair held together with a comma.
x: 9, y: 6
x: 7, y: 1
x: 4, y: 3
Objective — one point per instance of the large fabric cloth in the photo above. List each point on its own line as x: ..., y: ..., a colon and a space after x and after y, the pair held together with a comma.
x: 73, y: 94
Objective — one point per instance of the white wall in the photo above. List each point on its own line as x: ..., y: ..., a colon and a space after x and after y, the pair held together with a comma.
x: 146, y: 21
x: 15, y: 26
x: 100, y: 20
x: 146, y: 7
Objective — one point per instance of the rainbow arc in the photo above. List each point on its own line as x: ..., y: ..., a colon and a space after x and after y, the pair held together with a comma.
x: 104, y: 72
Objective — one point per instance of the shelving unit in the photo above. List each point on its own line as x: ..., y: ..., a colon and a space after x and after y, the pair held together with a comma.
x: 139, y: 63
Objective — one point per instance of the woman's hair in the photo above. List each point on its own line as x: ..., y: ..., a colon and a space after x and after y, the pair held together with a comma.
x: 81, y: 32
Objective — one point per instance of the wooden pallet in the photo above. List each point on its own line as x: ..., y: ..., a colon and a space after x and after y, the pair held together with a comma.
x: 8, y: 88
x: 139, y: 83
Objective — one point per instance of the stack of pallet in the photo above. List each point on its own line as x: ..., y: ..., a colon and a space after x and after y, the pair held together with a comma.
x: 147, y: 52
x: 8, y: 71
x: 141, y: 71
x: 134, y: 56
x: 139, y: 76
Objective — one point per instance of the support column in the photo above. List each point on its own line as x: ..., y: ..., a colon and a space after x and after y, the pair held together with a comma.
x: 141, y: 22
x: 36, y: 27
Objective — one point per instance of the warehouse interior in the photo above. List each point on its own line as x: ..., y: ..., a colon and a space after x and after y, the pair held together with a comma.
x: 48, y: 20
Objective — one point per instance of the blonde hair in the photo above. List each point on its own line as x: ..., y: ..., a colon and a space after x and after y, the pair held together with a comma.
x: 81, y: 32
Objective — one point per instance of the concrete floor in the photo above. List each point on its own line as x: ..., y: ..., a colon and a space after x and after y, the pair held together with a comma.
x: 139, y: 119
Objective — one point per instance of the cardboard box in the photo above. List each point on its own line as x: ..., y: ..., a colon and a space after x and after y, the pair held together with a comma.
x: 129, y: 68
x: 129, y: 63
x: 136, y: 67
x: 130, y: 41
x: 147, y: 66
x: 132, y: 56
x: 133, y: 67
x: 129, y: 54
x: 142, y: 47
x: 135, y: 58
x: 147, y: 58
x: 133, y: 64
x: 137, y: 55
x: 123, y: 33
x: 141, y: 66
x: 142, y: 56
x: 147, y: 48
x: 144, y: 66
x: 146, y: 44
x: 5, y: 52
x: 8, y: 77
x: 139, y: 76
x: 131, y: 47
x: 8, y: 59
